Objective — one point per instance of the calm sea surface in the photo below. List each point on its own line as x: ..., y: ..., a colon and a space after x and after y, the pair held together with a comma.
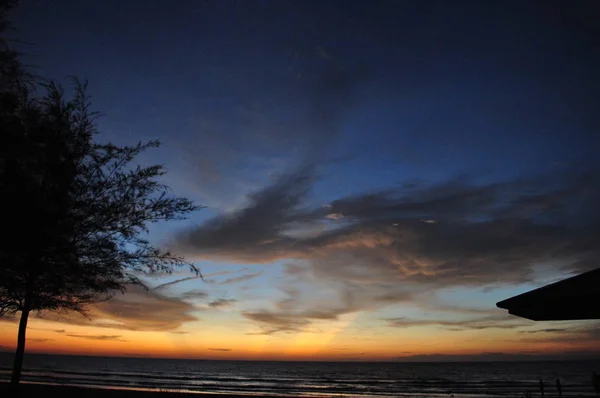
x: 319, y: 379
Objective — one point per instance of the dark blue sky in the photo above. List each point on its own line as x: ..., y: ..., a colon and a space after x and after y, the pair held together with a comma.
x: 399, y: 89
x: 382, y: 148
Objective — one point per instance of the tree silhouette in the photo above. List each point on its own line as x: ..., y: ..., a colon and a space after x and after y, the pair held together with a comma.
x: 75, y: 212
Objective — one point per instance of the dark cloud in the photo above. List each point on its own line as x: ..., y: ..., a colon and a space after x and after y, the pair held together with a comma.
x: 194, y: 295
x: 225, y: 272
x: 490, y: 322
x: 220, y: 303
x: 552, y: 330
x: 39, y: 340
x: 500, y: 356
x: 255, y: 230
x: 136, y: 309
x: 139, y: 309
x: 220, y: 349
x: 179, y: 332
x: 298, y: 311
x: 97, y: 337
x: 236, y: 148
x: 242, y: 278
x: 392, y: 246
x: 483, y: 233
x: 175, y: 282
x: 271, y: 323
x: 582, y: 334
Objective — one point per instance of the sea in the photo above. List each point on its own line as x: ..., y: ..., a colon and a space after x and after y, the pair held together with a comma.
x: 311, y: 379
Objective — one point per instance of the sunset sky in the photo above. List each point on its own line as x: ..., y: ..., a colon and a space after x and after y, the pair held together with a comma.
x: 376, y: 174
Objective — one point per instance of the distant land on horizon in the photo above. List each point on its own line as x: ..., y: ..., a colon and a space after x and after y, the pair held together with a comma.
x: 417, y: 358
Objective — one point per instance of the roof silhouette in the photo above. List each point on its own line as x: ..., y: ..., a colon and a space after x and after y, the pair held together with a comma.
x: 573, y: 298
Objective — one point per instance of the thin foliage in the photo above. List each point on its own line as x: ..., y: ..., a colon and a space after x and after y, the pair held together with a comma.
x: 75, y: 213
x: 89, y: 208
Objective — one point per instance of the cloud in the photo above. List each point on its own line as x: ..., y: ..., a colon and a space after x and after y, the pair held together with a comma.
x: 102, y: 337
x: 179, y: 332
x: 297, y: 312
x: 384, y: 250
x: 220, y: 303
x: 220, y: 349
x: 490, y: 322
x: 483, y: 233
x: 271, y: 323
x: 242, y: 278
x: 257, y: 228
x: 47, y: 329
x: 194, y: 295
x: 234, y: 149
x: 137, y: 309
x: 39, y: 340
x: 553, y: 330
x: 164, y: 285
x: 500, y: 356
x: 334, y: 216
x: 577, y: 334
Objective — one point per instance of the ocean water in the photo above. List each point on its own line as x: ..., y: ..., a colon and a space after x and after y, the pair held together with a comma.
x: 315, y: 379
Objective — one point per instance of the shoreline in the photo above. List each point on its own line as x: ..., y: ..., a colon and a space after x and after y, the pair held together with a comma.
x: 29, y: 389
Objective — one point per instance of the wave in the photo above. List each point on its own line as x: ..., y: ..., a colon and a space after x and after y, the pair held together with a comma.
x: 317, y: 380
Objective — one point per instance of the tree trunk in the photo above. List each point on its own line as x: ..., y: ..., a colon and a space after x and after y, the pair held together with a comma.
x: 18, y: 362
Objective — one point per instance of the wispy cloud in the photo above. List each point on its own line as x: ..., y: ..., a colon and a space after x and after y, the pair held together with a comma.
x: 175, y: 282
x: 490, y: 322
x: 273, y: 323
x: 577, y: 334
x: 498, y: 356
x: 195, y: 294
x: 220, y: 349
x: 136, y: 309
x: 48, y: 329
x: 552, y: 330
x: 220, y: 303
x: 97, y: 337
x: 235, y: 149
x: 242, y: 278
x: 295, y: 314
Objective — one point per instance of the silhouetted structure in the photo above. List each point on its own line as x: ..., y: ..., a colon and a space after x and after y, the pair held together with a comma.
x: 570, y: 299
x: 559, y: 388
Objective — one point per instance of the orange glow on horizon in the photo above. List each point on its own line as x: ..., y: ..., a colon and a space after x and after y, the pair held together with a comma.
x: 334, y: 344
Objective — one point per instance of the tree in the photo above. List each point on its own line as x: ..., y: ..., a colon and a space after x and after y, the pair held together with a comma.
x: 76, y: 212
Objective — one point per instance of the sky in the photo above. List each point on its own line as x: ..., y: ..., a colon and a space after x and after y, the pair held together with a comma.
x: 376, y: 175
